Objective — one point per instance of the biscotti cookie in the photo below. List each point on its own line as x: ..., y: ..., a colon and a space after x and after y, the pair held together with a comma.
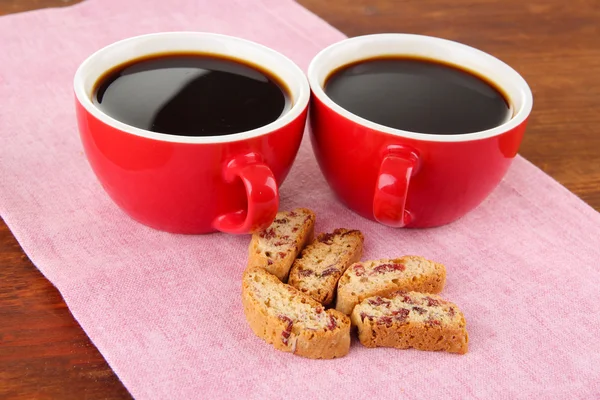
x: 291, y: 320
x: 411, y: 320
x: 317, y: 271
x: 276, y: 248
x: 379, y: 277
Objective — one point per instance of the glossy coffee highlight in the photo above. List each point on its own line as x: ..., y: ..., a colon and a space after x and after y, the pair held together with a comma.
x: 418, y: 95
x: 191, y: 94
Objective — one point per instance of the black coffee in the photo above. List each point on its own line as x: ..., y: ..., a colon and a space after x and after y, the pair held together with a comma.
x: 418, y: 95
x: 191, y: 95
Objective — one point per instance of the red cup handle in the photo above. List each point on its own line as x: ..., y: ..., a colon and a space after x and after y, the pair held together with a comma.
x: 389, y: 201
x: 262, y: 193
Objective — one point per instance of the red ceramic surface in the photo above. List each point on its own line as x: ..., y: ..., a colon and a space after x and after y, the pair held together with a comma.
x: 192, y: 184
x: 409, y: 179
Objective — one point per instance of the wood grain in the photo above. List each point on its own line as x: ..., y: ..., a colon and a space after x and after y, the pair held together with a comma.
x: 555, y: 45
x: 44, y: 353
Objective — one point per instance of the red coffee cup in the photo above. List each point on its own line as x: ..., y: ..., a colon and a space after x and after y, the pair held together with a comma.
x: 196, y: 184
x: 411, y: 179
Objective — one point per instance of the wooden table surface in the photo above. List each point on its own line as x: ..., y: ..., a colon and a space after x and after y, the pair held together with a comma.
x: 554, y: 44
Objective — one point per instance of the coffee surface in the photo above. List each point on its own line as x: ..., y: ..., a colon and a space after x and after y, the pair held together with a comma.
x: 191, y: 95
x: 418, y: 95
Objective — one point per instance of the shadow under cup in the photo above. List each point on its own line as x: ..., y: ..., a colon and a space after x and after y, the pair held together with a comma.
x: 410, y: 179
x: 192, y: 184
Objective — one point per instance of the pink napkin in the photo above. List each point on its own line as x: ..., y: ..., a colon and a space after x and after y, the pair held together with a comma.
x: 165, y: 309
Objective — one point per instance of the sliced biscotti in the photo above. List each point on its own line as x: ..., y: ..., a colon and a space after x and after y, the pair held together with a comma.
x: 379, y: 277
x: 317, y: 271
x: 276, y: 248
x: 411, y: 320
x: 291, y: 320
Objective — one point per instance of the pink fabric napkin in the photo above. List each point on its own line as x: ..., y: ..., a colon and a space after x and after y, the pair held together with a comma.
x: 165, y: 309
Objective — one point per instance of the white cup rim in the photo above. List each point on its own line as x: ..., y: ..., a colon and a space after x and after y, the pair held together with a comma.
x: 192, y: 41
x: 363, y: 47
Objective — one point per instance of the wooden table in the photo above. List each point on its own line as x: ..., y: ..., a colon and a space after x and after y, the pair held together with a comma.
x: 554, y: 44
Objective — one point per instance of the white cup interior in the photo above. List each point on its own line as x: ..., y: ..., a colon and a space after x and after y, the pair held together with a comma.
x: 105, y: 59
x: 370, y: 46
